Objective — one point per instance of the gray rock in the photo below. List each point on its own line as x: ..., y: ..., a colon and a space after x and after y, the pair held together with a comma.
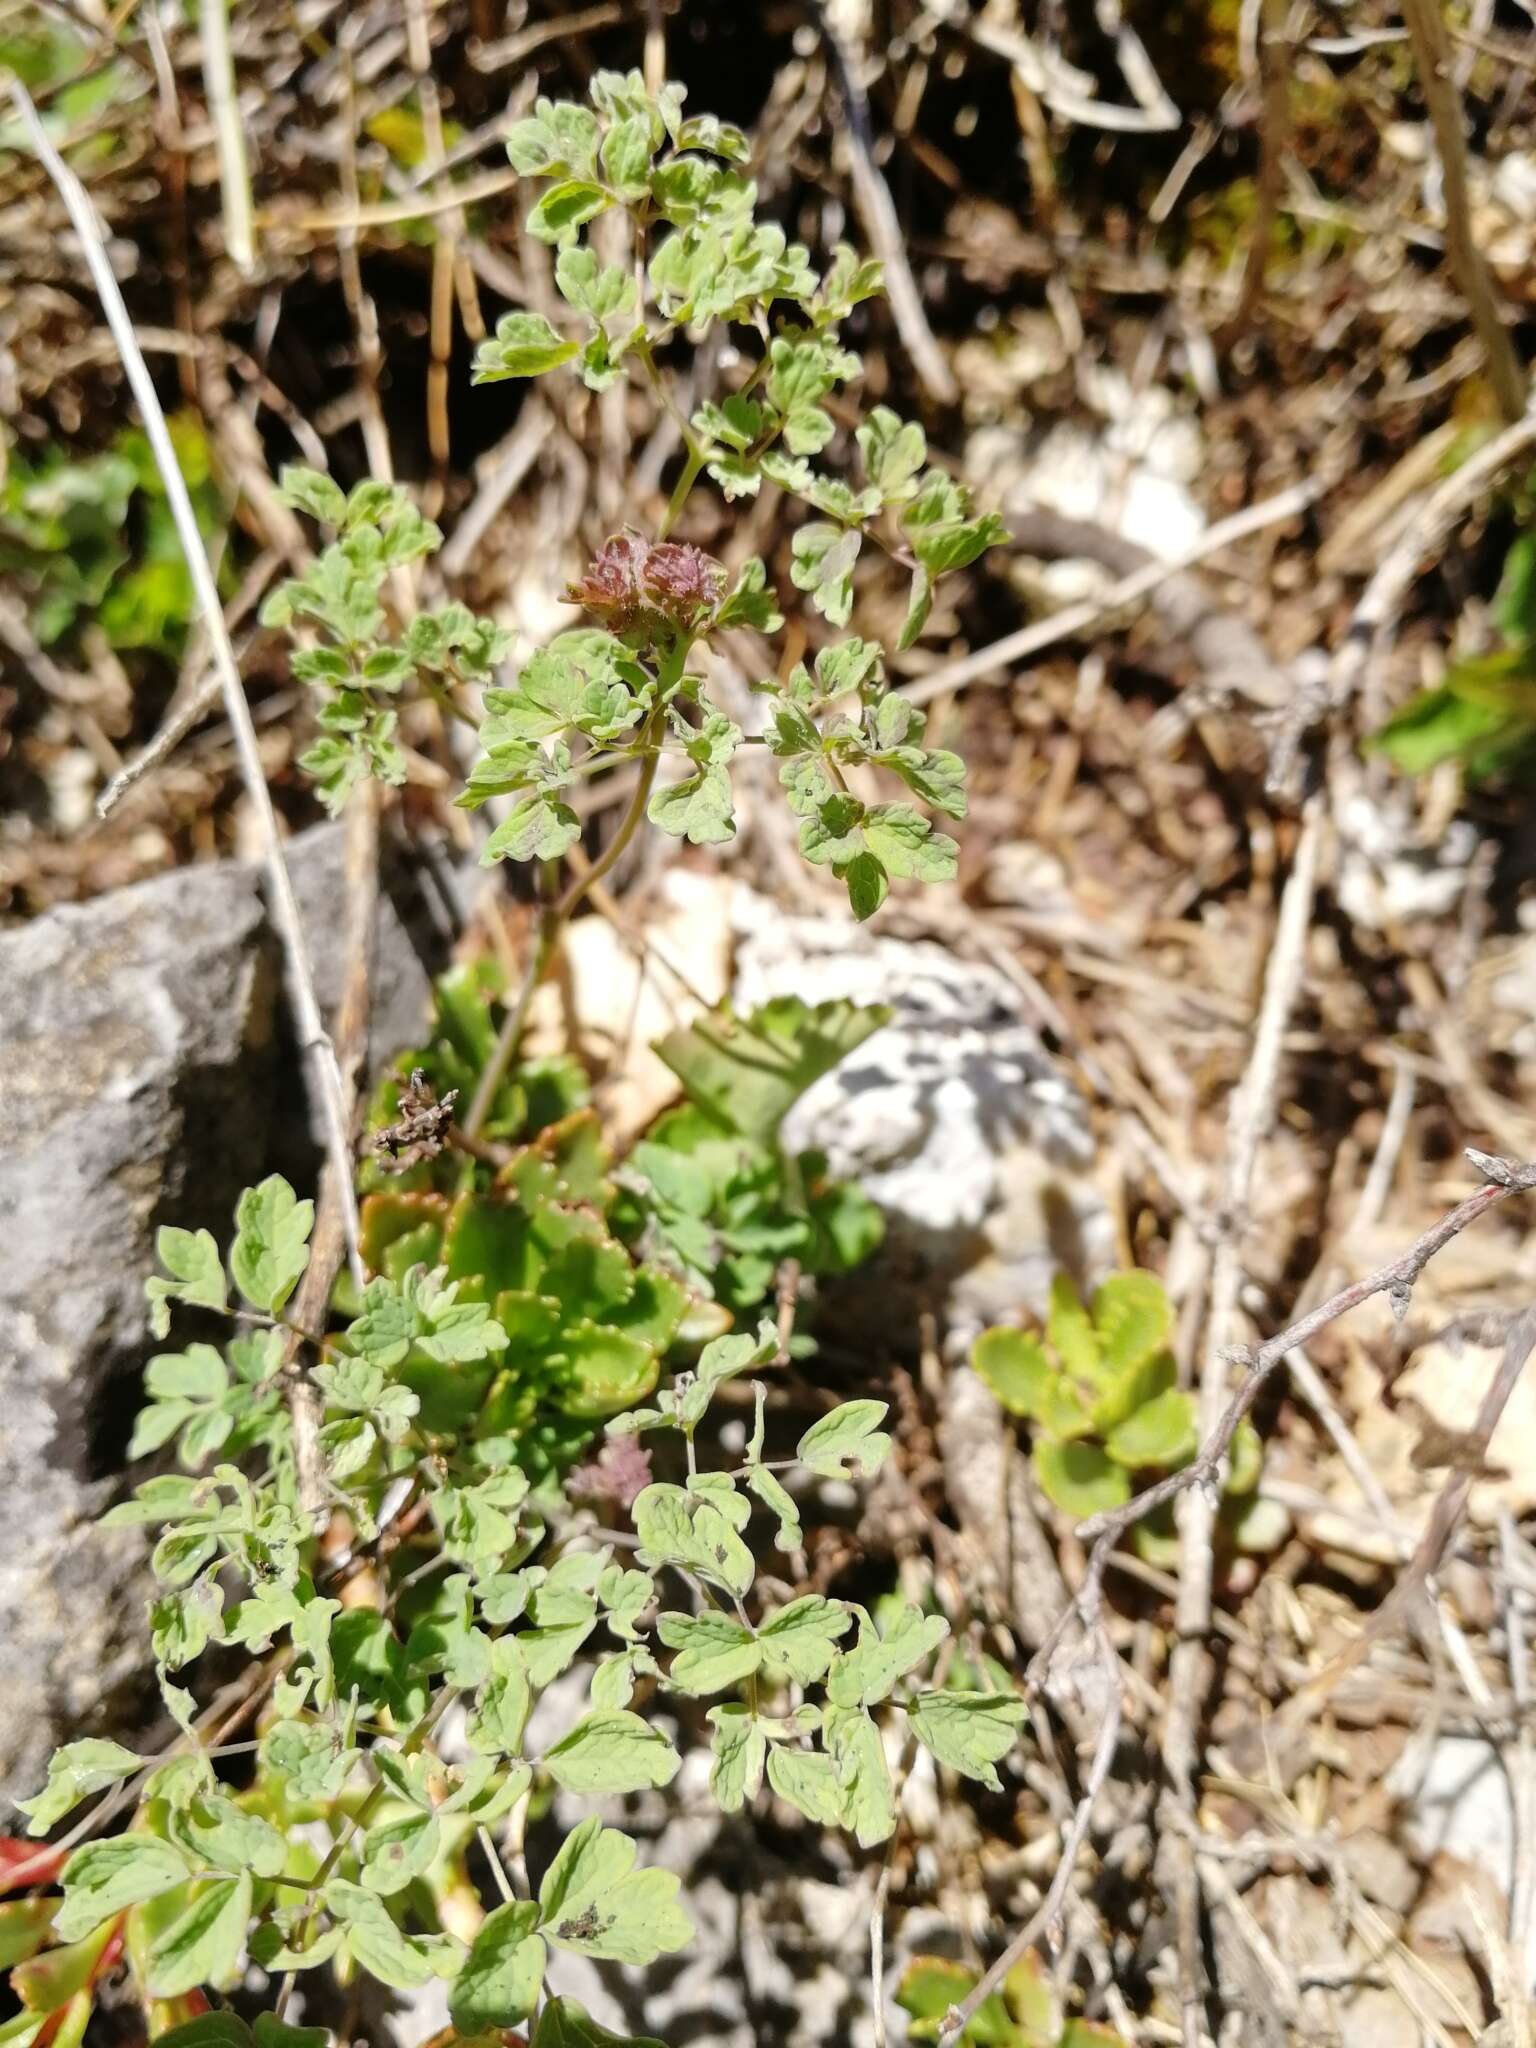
x: 137, y: 1036
x: 399, y: 985
x: 954, y: 1118
x: 145, y: 1077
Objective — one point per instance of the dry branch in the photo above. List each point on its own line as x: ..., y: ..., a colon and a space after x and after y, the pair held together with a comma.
x: 1425, y: 21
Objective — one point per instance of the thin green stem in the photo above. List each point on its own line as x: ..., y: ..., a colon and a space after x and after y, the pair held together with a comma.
x: 552, y: 921
x: 696, y: 456
x: 494, y: 1072
x: 680, y: 490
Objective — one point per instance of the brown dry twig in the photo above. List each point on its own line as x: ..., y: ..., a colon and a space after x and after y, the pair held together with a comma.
x: 1425, y: 20
x: 877, y: 211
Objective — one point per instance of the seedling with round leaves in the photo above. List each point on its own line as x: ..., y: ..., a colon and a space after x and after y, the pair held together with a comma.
x: 1098, y: 1387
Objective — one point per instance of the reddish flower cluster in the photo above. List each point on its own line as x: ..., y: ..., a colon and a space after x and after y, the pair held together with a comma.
x: 620, y: 1472
x: 639, y: 586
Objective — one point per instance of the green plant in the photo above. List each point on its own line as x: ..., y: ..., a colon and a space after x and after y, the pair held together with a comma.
x: 711, y: 1187
x: 93, y: 536
x: 1024, y: 2013
x: 594, y: 1271
x: 1099, y: 1388
x: 375, y: 1507
x: 626, y: 689
x: 485, y: 1596
x: 1483, y: 712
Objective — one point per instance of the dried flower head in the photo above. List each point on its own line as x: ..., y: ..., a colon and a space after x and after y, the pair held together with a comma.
x: 421, y: 1127
x: 641, y: 588
x: 620, y: 1472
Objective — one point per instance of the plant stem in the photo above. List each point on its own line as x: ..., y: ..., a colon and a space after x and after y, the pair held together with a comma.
x: 1425, y: 23
x: 494, y: 1072
x: 685, y: 483
x: 696, y: 457
x: 552, y: 921
x: 229, y: 134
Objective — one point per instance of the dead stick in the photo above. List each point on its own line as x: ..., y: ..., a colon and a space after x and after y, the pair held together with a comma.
x: 994, y: 662
x: 1425, y: 22
x: 325, y: 1074
x: 1450, y: 1506
x: 1048, y: 1912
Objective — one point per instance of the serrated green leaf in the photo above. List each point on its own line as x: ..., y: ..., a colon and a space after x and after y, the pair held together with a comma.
x: 374, y: 1941
x: 1015, y: 1366
x: 1134, y: 1320
x: 74, y: 1773
x: 1080, y: 1477
x: 219, y: 1832
x: 969, y: 1731
x: 906, y: 845
x: 524, y: 345
x: 866, y: 1674
x: 893, y: 453
x: 612, y: 1750
x: 191, y: 1258
x: 748, y: 1072
x: 766, y: 1485
x: 310, y: 1755
x: 713, y: 1651
x: 566, y: 207
x: 1160, y: 1432
x: 1070, y: 1330
x: 626, y: 156
x: 798, y: 1642
x: 808, y: 1780
x: 740, y: 1751
x: 306, y: 490
x: 537, y: 828
x: 559, y: 139
x: 595, y: 1903
x: 700, y: 1535
x: 698, y: 808
x: 823, y: 557
x: 103, y: 1877
x: 863, y: 1775
x: 203, y: 1945
x: 396, y: 1852
x: 504, y: 1702
x: 271, y: 1247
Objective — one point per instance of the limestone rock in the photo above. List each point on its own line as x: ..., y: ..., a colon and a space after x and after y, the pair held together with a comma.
x: 138, y: 1035
x: 954, y: 1119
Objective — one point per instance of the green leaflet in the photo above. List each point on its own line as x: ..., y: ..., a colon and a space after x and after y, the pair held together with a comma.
x: 499, y: 1983
x: 596, y: 1903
